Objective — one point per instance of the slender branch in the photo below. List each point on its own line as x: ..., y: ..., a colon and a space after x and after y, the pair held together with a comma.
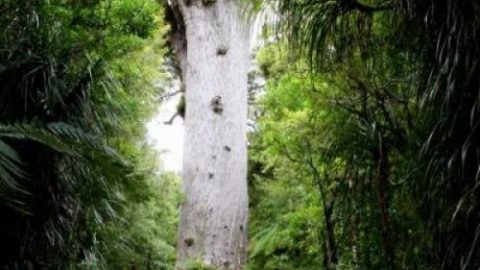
x: 171, y: 94
x: 170, y: 121
x: 287, y: 154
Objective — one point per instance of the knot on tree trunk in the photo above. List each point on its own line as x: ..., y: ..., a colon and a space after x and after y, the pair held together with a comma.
x: 217, y: 105
x: 189, y: 241
x: 222, y: 50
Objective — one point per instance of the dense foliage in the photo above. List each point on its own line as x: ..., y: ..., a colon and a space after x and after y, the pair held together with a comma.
x: 364, y: 151
x: 79, y: 187
x: 367, y: 150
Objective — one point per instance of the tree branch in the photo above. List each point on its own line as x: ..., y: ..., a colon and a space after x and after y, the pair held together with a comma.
x: 286, y: 153
x: 170, y: 121
x: 172, y: 94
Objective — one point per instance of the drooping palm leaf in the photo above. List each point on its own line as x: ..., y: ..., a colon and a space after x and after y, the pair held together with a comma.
x: 9, y: 166
x: 59, y: 136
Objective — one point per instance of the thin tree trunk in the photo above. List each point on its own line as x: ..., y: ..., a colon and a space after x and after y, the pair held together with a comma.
x: 330, y: 258
x: 381, y: 157
x: 213, y: 218
x: 329, y: 244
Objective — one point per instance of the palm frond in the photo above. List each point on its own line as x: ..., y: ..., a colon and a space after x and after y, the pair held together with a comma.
x: 325, y: 29
x: 58, y: 136
x: 61, y: 137
x: 10, y: 166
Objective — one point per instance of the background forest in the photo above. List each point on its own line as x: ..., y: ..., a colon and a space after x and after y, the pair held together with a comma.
x: 365, y: 152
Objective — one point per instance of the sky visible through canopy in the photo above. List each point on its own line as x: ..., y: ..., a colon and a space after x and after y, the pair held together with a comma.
x: 167, y: 139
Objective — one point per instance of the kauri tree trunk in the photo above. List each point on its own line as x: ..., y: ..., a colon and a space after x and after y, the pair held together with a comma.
x: 211, y: 42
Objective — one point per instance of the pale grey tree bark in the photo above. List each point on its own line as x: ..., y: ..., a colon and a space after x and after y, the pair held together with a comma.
x: 211, y: 43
